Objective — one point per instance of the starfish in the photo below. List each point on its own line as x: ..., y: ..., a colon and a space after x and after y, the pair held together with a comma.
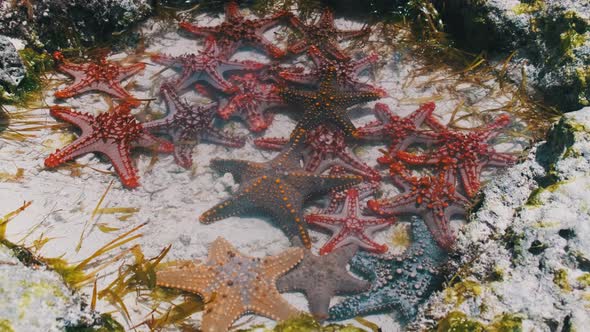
x: 103, y: 75
x: 399, y: 282
x: 347, y: 71
x: 327, y: 104
x: 113, y: 134
x: 187, y: 125
x: 272, y: 72
x: 324, y: 148
x: 278, y: 187
x: 431, y: 196
x: 322, y: 277
x: 462, y: 154
x: 348, y: 226
x: 207, y: 65
x: 251, y: 98
x: 337, y: 201
x: 401, y: 132
x: 323, y: 34
x: 236, y: 31
x: 232, y: 284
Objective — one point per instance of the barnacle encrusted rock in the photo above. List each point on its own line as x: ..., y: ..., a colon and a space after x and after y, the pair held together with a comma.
x: 12, y: 71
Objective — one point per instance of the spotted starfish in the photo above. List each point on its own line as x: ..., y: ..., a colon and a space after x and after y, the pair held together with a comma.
x: 102, y: 75
x: 251, y: 100
x: 337, y: 201
x: 278, y: 187
x: 209, y: 65
x: 236, y: 31
x: 327, y: 104
x: 399, y: 282
x: 321, y: 278
x: 401, y: 132
x: 349, y: 226
x: 187, y: 125
x: 323, y: 34
x: 429, y: 196
x: 113, y: 134
x: 347, y: 71
x: 462, y: 153
x: 233, y: 284
x: 324, y: 148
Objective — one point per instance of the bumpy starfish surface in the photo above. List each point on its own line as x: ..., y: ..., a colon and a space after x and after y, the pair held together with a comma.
x: 349, y: 226
x: 337, y: 201
x: 209, y: 65
x: 251, y: 100
x: 278, y: 187
x: 429, y: 196
x: 399, y: 282
x: 322, y: 277
x: 324, y: 148
x: 462, y: 153
x: 113, y: 134
x: 236, y: 31
x: 327, y: 104
x: 187, y: 125
x: 233, y: 284
x: 323, y: 34
x: 347, y: 71
x: 102, y: 75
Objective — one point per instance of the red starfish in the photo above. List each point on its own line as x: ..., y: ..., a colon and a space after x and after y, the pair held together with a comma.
x: 430, y: 196
x: 349, y: 226
x: 401, y: 132
x: 338, y: 197
x: 347, y: 71
x: 187, y: 125
x: 323, y: 34
x: 208, y: 65
x: 325, y: 147
x: 236, y: 31
x: 103, y: 75
x: 250, y: 101
x: 272, y: 72
x: 111, y: 133
x: 462, y: 154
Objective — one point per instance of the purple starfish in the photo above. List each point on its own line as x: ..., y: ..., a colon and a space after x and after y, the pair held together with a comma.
x: 187, y: 125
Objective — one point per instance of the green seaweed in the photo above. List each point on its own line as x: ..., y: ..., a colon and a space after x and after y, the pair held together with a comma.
x: 528, y: 7
x: 462, y: 291
x: 560, y: 279
x: 303, y: 323
x: 506, y: 323
x: 457, y: 321
x: 36, y: 65
x: 5, y: 326
x: 105, y: 323
x: 584, y: 280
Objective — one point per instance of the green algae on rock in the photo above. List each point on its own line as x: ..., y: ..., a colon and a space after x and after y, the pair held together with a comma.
x: 304, y: 323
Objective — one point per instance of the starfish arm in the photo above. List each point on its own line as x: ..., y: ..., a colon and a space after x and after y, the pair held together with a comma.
x: 232, y: 12
x: 131, y: 70
x: 215, y: 79
x: 350, y: 284
x: 421, y: 114
x: 79, y: 119
x: 70, y: 68
x: 82, y: 145
x: 255, y: 118
x: 497, y: 159
x: 319, y: 302
x: 228, y: 208
x: 297, y: 96
x: 316, y: 56
x: 353, y: 164
x: 299, y: 47
x: 215, y: 135
x: 364, y: 63
x: 198, y: 30
x: 437, y: 223
x: 301, y: 78
x: 269, y: 47
x: 367, y: 243
x: 221, y: 251
x: 419, y: 159
x: 231, y: 108
x: 183, y: 154
x: 271, y: 143
x: 79, y: 86
x: 435, y: 124
x: 351, y: 98
x: 226, y: 65
x: 400, y: 204
x: 165, y: 60
x: 188, y: 277
x: 296, y: 280
x: 492, y: 131
x: 346, y: 125
x: 233, y: 166
x: 469, y: 175
x: 373, y: 130
x: 226, y: 307
x: 309, y: 184
x: 119, y: 157
x: 269, y: 303
x: 362, y: 304
x: 334, y: 49
x: 148, y: 140
x: 347, y: 34
x: 114, y: 89
x: 312, y: 161
x: 275, y: 266
x: 336, y: 241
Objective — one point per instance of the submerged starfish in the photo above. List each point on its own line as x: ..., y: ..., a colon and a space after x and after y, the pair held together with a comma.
x: 429, y: 196
x: 321, y: 278
x: 462, y: 154
x: 232, y: 284
x: 251, y: 99
x: 399, y: 282
x: 337, y: 200
x: 323, y: 34
x: 349, y: 226
x: 113, y: 134
x: 278, y: 187
x: 207, y: 65
x: 103, y: 75
x: 236, y: 31
x: 328, y: 104
x: 324, y: 148
x: 187, y: 125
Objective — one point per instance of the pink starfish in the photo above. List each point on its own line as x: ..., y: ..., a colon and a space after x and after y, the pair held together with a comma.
x: 236, y: 31
x: 113, y: 134
x: 347, y: 71
x: 187, y: 125
x: 323, y: 34
x: 208, y: 65
x: 324, y: 148
x: 349, y: 226
x: 250, y: 100
x: 338, y: 197
x: 401, y: 132
x: 462, y: 154
x: 430, y: 196
x: 272, y: 72
x: 103, y: 75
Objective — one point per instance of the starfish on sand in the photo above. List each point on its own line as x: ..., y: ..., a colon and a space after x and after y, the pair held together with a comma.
x: 111, y: 133
x: 102, y: 75
x: 278, y: 187
x: 232, y: 284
